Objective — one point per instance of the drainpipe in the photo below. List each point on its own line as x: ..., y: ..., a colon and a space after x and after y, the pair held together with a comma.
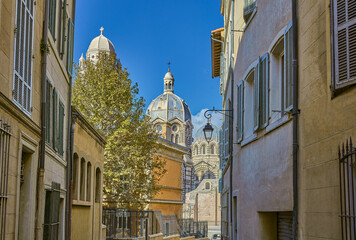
x: 40, y: 185
x: 71, y: 122
x: 295, y: 113
x: 231, y: 137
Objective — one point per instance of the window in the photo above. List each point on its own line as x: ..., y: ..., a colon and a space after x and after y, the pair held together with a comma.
x: 347, y: 171
x: 88, y: 198
x: 240, y: 110
x: 202, y: 149
x: 82, y: 179
x: 277, y: 80
x: 176, y: 138
x: 54, y: 120
x: 5, y: 135
x: 196, y: 150
x: 172, y: 137
x: 22, y: 82
x: 207, y: 185
x: 287, y: 84
x: 97, y: 185
x: 249, y: 7
x: 52, y: 18
x: 51, y: 220
x: 75, y: 176
x: 212, y: 149
x: 248, y: 107
x: 70, y: 46
x: 261, y: 93
x: 344, y: 43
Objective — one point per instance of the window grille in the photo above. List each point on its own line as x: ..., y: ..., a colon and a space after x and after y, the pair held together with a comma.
x: 22, y: 82
x: 344, y: 43
x: 347, y: 171
x: 5, y: 134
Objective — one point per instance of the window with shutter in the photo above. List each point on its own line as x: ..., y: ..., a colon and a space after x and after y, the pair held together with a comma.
x: 51, y: 220
x: 264, y: 91
x: 70, y: 46
x: 54, y: 119
x: 22, y: 82
x: 249, y: 7
x: 256, y: 98
x: 227, y: 136
x: 48, y: 111
x: 60, y: 128
x: 222, y: 144
x: 344, y: 40
x: 288, y: 68
x: 52, y: 18
x: 240, y: 110
x: 60, y: 28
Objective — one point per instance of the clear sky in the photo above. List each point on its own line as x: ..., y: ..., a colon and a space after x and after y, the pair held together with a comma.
x: 147, y: 34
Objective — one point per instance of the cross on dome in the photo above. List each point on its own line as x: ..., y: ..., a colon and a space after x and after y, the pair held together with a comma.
x: 169, y: 66
x: 101, y: 30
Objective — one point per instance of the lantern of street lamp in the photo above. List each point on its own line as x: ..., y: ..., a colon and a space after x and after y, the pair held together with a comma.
x: 208, y: 131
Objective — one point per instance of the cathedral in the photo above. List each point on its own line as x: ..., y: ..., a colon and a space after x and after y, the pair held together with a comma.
x: 173, y: 121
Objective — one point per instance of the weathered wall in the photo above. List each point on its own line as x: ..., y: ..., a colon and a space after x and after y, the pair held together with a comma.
x: 262, y: 162
x: 325, y: 123
x: 87, y: 213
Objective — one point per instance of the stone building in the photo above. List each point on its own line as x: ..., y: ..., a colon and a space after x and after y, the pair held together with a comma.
x: 87, y: 193
x: 36, y: 69
x: 173, y: 121
x: 288, y: 176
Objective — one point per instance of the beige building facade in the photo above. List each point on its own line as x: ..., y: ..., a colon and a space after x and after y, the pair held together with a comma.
x: 87, y: 192
x: 35, y: 76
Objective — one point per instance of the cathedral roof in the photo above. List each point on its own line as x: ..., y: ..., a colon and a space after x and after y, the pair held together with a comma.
x: 168, y: 106
x: 100, y: 44
x: 199, y: 135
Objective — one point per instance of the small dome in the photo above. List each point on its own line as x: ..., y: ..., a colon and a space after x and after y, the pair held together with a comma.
x: 168, y: 75
x: 100, y: 44
x: 168, y: 106
x: 199, y: 135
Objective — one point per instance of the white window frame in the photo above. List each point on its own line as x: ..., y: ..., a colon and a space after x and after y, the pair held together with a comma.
x: 27, y: 50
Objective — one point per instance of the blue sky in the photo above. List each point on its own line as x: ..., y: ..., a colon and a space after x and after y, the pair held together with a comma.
x: 147, y: 34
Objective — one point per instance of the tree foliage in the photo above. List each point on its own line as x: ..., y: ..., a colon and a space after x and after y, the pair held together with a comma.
x: 104, y: 93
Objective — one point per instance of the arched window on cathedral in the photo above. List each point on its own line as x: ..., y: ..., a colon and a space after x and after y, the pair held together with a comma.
x: 207, y: 185
x: 165, y: 86
x: 202, y: 150
x: 176, y: 140
x: 212, y: 149
x: 169, y: 86
x: 172, y: 137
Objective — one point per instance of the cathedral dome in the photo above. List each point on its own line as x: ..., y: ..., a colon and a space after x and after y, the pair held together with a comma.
x: 100, y: 44
x: 168, y: 106
x: 199, y: 135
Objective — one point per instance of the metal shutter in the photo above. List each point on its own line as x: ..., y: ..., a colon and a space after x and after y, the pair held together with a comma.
x: 288, y: 68
x: 240, y: 110
x: 60, y: 128
x: 285, y: 226
x: 256, y: 99
x: 70, y: 46
x: 48, y: 112
x: 55, y: 118
x: 264, y: 90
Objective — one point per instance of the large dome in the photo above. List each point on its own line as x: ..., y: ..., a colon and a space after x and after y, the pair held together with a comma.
x: 199, y: 135
x: 167, y: 107
x: 100, y: 44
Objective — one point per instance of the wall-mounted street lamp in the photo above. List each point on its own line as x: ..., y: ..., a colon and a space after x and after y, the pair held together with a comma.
x: 208, y: 129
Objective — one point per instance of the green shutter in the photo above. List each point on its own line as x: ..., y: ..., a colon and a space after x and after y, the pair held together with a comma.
x: 52, y: 18
x: 48, y: 112
x: 240, y: 110
x: 287, y: 91
x: 264, y: 90
x: 256, y: 98
x: 60, y: 128
x: 55, y: 117
x: 70, y: 46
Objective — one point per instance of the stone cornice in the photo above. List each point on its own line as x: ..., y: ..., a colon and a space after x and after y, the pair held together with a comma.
x: 88, y: 127
x: 19, y: 115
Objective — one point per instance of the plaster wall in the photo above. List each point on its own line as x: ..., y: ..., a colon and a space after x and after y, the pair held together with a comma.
x: 87, y: 214
x: 325, y: 123
x: 262, y: 162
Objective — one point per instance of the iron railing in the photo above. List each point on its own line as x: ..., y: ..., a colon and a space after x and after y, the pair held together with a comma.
x: 121, y: 223
x: 347, y: 171
x: 5, y: 134
x: 189, y: 227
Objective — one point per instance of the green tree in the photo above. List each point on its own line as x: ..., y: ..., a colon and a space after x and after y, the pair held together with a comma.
x: 104, y: 93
